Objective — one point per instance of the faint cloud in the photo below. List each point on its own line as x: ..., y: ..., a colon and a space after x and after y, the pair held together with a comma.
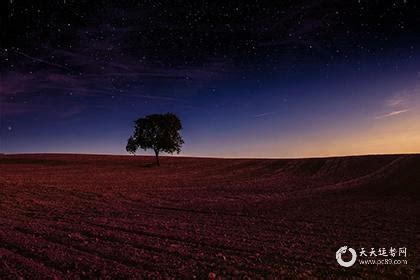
x: 264, y: 114
x: 395, y: 101
x: 394, y: 113
x: 404, y: 97
x: 401, y: 102
x: 399, y: 98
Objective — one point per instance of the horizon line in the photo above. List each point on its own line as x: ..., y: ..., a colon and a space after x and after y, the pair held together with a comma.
x: 210, y: 157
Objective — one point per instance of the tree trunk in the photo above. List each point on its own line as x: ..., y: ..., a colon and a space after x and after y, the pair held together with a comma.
x: 157, y: 157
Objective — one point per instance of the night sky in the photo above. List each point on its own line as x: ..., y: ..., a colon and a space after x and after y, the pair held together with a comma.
x: 247, y: 78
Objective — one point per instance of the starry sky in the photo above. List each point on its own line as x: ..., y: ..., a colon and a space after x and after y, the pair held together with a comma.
x: 247, y: 78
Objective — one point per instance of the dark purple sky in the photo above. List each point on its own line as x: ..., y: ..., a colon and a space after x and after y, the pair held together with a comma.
x: 247, y: 78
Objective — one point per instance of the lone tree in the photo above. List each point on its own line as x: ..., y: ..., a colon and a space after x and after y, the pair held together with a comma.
x: 159, y: 132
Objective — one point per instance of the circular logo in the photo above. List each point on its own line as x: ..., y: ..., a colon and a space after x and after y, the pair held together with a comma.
x: 343, y: 250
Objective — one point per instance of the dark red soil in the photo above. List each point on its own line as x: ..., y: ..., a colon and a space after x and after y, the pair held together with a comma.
x: 82, y: 216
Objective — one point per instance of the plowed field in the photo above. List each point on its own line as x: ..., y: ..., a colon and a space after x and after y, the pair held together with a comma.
x: 88, y: 216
